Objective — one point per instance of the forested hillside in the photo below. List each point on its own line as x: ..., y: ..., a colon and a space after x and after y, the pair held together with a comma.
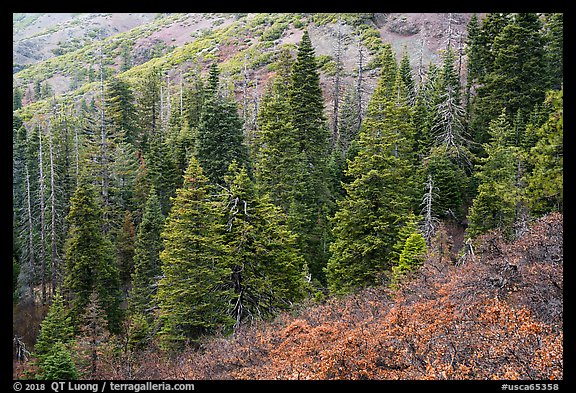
x: 288, y: 196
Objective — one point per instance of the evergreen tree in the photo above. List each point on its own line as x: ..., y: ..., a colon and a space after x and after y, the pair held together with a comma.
x: 448, y: 126
x: 148, y: 107
x: 125, y: 249
x: 412, y: 255
x: 545, y: 182
x: 278, y: 160
x: 379, y: 196
x: 554, y: 49
x: 313, y: 138
x: 495, y: 205
x: 514, y: 76
x: 162, y: 171
x: 406, y: 72
x: 267, y: 268
x: 191, y: 296
x: 93, y: 335
x: 58, y: 364
x: 55, y: 327
x: 90, y: 263
x: 451, y: 183
x: 220, y: 138
x: 120, y: 109
x: 147, y: 265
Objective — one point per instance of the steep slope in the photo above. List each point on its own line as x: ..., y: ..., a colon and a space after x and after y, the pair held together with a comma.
x: 66, y: 54
x: 496, y: 314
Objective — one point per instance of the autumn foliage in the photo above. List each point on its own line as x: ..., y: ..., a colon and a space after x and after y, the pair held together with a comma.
x: 496, y: 314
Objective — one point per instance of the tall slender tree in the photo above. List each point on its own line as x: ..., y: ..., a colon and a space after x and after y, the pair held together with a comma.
x: 147, y: 264
x: 192, y: 294
x: 90, y: 263
x: 220, y: 138
x: 267, y: 267
x: 313, y: 138
x: 380, y: 194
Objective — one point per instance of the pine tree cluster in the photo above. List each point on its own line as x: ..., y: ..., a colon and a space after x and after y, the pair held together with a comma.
x: 158, y: 220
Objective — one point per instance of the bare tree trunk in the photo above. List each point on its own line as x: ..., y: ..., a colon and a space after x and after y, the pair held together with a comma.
x: 31, y: 254
x: 53, y: 245
x: 336, y: 93
x: 359, y: 87
x: 429, y: 223
x: 104, y: 152
x: 42, y: 190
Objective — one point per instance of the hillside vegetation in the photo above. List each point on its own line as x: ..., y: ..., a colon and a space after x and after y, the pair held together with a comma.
x: 288, y: 196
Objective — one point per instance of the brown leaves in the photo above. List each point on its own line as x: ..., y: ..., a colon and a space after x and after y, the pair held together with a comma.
x: 498, y: 316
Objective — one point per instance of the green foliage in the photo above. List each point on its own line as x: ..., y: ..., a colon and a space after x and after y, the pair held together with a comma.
x: 162, y: 171
x: 58, y: 364
x: 125, y: 248
x: 147, y: 264
x: 312, y: 136
x: 545, y: 185
x: 90, y: 263
x: 412, y: 255
x: 55, y: 328
x: 220, y: 138
x: 191, y: 295
x: 379, y: 194
x: 515, y: 73
x: 495, y: 205
x: 267, y: 267
x: 451, y: 182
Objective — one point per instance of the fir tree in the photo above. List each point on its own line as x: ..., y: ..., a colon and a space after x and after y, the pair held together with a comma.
x: 412, y: 255
x: 58, y: 364
x: 379, y: 195
x: 162, y: 171
x: 267, y: 268
x: 147, y: 265
x: 313, y: 138
x: 125, y: 249
x: 120, y: 109
x: 495, y: 205
x: 90, y: 263
x: 55, y: 327
x: 278, y: 160
x: 191, y: 296
x: 220, y: 138
x: 545, y: 183
x: 93, y: 335
x: 554, y: 50
x: 514, y: 75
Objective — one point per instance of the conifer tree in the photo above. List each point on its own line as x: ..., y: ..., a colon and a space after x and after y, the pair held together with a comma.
x: 380, y: 193
x: 554, y: 49
x: 192, y: 294
x: 514, y: 76
x: 55, y: 327
x: 406, y: 72
x: 93, y: 335
x: 147, y: 265
x: 148, y: 107
x: 545, y: 185
x: 125, y: 249
x: 58, y: 364
x: 220, y: 138
x: 267, y: 268
x: 162, y: 170
x: 495, y: 204
x: 120, y: 109
x: 278, y: 160
x: 412, y: 256
x: 90, y: 263
x: 313, y: 138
